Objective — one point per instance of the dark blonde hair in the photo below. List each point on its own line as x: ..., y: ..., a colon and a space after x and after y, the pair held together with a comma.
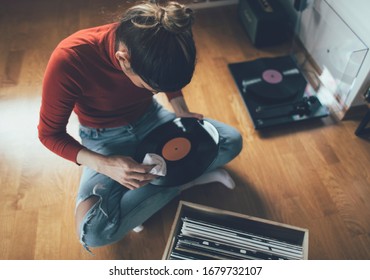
x: 160, y: 43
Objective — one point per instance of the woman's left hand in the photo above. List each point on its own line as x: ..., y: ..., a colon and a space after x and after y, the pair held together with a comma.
x: 181, y: 109
x: 190, y: 115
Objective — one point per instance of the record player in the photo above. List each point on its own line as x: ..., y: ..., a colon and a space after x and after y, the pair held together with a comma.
x: 325, y: 70
x: 275, y: 92
x: 275, y: 89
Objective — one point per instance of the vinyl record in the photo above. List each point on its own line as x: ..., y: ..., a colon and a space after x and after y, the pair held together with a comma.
x: 275, y: 86
x: 187, y: 145
x: 274, y: 80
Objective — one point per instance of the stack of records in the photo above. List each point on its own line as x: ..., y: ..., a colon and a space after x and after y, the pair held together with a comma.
x: 201, y: 240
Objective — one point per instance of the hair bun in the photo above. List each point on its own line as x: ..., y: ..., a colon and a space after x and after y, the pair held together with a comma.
x: 175, y: 17
x: 159, y: 14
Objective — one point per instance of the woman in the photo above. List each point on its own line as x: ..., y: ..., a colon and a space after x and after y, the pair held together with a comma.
x: 108, y: 75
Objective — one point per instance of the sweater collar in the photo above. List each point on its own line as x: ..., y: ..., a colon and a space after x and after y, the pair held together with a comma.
x: 109, y: 45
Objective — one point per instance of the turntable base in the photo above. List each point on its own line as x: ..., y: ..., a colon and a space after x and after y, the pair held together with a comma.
x: 275, y: 92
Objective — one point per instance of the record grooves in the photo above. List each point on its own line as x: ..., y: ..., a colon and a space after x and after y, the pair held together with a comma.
x: 274, y: 91
x: 188, y: 146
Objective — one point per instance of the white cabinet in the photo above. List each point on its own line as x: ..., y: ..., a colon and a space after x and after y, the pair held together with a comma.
x: 336, y: 35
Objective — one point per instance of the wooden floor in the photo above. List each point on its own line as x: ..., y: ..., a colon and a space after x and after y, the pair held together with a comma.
x: 314, y: 175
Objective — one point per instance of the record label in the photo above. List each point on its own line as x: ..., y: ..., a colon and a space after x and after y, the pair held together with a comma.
x: 272, y: 76
x: 176, y: 149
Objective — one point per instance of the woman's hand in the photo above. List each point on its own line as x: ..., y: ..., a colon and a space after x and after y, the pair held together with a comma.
x: 190, y: 115
x: 123, y: 170
x: 181, y: 109
x: 127, y: 171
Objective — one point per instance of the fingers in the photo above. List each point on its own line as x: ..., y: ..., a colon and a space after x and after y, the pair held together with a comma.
x: 137, y: 175
x: 198, y: 116
x: 127, y: 171
x: 141, y: 168
x: 191, y: 115
x: 134, y: 184
x: 136, y: 180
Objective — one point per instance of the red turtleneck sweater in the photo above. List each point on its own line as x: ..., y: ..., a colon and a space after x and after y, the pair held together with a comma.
x: 83, y: 75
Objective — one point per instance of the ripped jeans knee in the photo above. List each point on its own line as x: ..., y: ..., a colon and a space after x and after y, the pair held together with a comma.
x: 114, y: 215
x: 87, y: 232
x: 99, y: 223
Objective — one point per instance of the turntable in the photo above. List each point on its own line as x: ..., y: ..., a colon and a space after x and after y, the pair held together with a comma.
x: 275, y: 92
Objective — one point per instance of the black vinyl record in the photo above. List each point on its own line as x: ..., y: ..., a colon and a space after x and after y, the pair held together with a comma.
x: 275, y: 85
x: 273, y: 80
x: 187, y: 145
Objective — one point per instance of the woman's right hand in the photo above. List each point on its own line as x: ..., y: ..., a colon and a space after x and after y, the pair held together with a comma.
x: 122, y: 169
x: 127, y: 171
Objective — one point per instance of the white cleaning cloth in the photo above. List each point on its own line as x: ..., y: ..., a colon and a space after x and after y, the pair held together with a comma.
x: 160, y: 167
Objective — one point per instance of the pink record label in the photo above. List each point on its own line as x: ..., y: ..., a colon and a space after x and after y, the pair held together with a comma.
x: 272, y: 76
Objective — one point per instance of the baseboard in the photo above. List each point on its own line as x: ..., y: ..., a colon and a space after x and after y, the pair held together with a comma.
x: 204, y: 4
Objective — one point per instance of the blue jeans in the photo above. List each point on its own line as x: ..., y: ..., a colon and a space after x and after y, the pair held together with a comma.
x: 119, y: 209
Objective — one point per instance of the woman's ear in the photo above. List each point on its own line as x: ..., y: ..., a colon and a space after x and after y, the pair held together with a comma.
x: 124, y: 59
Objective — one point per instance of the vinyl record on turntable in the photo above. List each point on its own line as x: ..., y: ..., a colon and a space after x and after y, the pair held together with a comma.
x: 187, y: 145
x: 276, y: 82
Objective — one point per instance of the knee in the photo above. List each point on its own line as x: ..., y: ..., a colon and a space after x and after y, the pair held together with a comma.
x: 238, y: 142
x: 92, y: 230
x: 82, y: 209
x: 233, y: 143
x: 95, y: 226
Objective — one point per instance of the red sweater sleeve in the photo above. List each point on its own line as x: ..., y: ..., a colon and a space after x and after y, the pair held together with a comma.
x: 59, y: 94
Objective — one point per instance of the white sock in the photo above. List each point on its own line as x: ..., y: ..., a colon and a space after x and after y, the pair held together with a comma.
x: 138, y: 228
x: 218, y: 175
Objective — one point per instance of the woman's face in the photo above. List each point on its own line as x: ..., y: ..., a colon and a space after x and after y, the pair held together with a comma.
x: 137, y: 80
x: 124, y: 61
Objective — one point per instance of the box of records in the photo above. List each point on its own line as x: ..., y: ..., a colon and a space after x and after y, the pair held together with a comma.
x: 204, y: 233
